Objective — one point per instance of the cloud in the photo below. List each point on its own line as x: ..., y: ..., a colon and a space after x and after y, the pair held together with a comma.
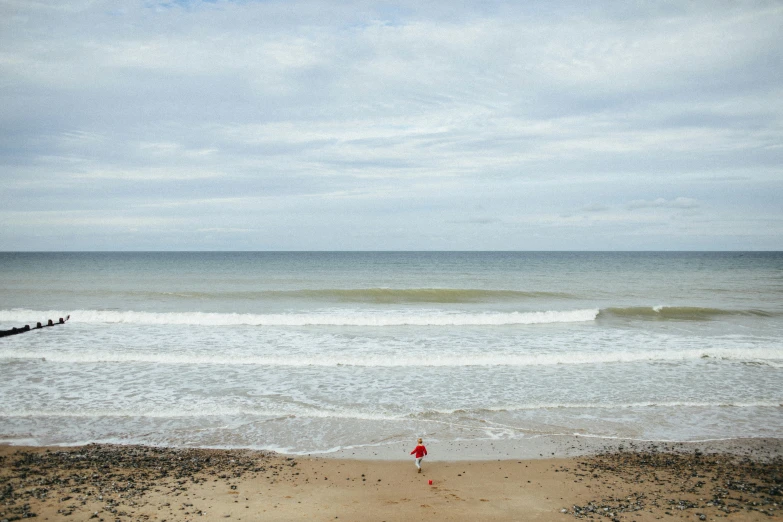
x: 594, y: 207
x: 676, y: 203
x: 475, y: 221
x: 317, y: 118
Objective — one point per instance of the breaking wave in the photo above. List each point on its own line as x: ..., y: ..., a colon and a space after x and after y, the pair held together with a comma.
x: 682, y: 313
x: 337, y: 318
x: 348, y: 317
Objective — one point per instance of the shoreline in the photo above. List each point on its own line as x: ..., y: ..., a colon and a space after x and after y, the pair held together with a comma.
x: 550, y: 446
x: 735, y: 480
x: 529, y: 448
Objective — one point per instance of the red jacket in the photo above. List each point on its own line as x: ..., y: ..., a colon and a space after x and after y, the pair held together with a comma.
x: 420, y: 451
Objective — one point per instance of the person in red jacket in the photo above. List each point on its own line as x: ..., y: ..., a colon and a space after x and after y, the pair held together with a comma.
x: 419, y: 451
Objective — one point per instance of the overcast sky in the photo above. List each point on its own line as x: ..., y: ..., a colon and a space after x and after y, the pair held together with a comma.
x: 402, y: 125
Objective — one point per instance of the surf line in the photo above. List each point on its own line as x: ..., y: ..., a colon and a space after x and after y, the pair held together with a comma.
x: 38, y: 326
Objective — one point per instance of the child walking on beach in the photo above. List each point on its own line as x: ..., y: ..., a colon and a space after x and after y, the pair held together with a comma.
x: 419, y: 451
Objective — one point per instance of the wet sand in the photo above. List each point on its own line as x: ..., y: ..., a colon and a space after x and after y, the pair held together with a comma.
x: 731, y: 480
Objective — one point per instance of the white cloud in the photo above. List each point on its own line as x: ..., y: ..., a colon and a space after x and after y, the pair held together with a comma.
x: 91, y: 219
x: 594, y: 207
x: 676, y: 203
x: 310, y: 115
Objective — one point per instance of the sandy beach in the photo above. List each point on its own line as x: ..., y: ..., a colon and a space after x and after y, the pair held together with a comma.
x: 740, y: 481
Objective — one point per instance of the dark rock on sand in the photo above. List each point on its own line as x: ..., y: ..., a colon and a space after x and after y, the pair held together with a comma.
x: 116, y: 476
x: 704, y: 484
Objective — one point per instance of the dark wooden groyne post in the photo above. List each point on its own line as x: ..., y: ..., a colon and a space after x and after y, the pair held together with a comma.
x: 26, y: 328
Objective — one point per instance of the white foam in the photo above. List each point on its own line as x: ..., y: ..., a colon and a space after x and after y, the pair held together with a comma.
x: 283, y: 413
x: 314, y: 412
x: 767, y: 356
x: 605, y: 406
x: 330, y: 318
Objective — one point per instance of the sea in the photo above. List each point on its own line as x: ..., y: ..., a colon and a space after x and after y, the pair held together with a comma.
x: 316, y: 352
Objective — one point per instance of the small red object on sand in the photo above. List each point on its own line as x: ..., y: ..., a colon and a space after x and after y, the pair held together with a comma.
x: 430, y: 483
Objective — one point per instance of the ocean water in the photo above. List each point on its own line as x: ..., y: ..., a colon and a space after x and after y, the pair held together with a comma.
x: 314, y: 352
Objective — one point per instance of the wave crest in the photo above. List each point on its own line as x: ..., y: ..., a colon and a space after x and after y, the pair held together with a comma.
x: 682, y: 313
x: 338, y: 295
x: 338, y: 318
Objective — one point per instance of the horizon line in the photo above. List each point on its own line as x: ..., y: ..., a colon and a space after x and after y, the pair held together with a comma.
x: 359, y: 251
